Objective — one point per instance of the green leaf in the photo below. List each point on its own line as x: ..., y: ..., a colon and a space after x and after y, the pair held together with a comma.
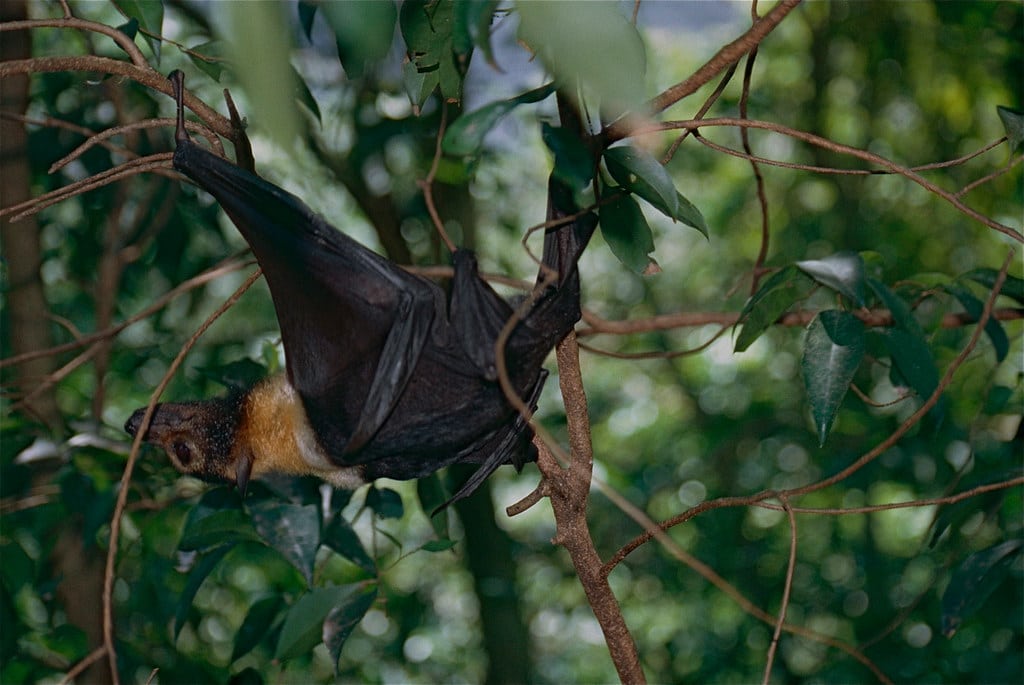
x: 1013, y: 122
x: 340, y: 537
x: 291, y: 529
x: 777, y: 294
x: 438, y: 545
x: 303, y: 627
x: 363, y: 32
x: 217, y: 528
x: 262, y: 616
x: 150, y: 16
x: 843, y: 272
x: 466, y: 134
x: 427, y: 27
x: 974, y: 580
x: 833, y: 350
x: 385, y: 502
x: 210, y: 58
x: 307, y: 13
x: 573, y: 164
x: 912, y: 358
x: 305, y: 96
x: 626, y: 231
x: 202, y: 568
x: 418, y: 84
x: 474, y: 17
x: 638, y: 171
x: 593, y: 44
x: 130, y: 28
x: 902, y: 315
x: 691, y: 216
x: 974, y: 307
x: 432, y: 495
x: 343, y: 619
x: 1013, y: 287
x: 261, y: 54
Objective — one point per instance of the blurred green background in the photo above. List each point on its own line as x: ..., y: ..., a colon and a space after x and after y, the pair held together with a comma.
x: 916, y: 82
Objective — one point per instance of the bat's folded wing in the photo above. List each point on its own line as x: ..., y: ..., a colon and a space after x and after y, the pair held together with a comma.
x: 353, y: 323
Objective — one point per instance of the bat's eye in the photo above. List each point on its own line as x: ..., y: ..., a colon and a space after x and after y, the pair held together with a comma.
x: 183, y: 453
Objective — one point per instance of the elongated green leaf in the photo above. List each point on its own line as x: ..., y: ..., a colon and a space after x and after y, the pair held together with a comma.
x: 307, y: 13
x: 427, y: 27
x: 593, y: 44
x: 293, y: 530
x: 913, y: 360
x: 340, y: 537
x: 385, y: 502
x: 217, y: 528
x: 303, y: 627
x: 777, y: 293
x: 262, y: 616
x: 993, y: 329
x: 843, y: 272
x: 974, y: 580
x: 432, y: 494
x: 691, y: 216
x: 642, y: 174
x: 639, y: 172
x: 210, y: 57
x: 902, y: 315
x: 150, y: 16
x: 466, y: 134
x: 202, y: 568
x: 263, y: 66
x: 1013, y: 287
x: 474, y: 17
x: 1013, y: 122
x: 363, y: 32
x: 343, y: 619
x: 438, y: 545
x: 572, y: 158
x: 626, y: 231
x: 833, y: 350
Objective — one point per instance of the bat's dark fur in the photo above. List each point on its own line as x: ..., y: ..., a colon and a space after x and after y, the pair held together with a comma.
x: 395, y: 379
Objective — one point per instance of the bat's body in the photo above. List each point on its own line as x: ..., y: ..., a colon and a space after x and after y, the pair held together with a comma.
x: 386, y: 376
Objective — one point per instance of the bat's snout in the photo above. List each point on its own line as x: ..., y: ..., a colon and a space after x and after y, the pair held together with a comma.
x: 131, y: 426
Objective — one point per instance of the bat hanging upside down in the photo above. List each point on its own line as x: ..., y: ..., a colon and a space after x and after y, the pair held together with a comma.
x: 386, y: 376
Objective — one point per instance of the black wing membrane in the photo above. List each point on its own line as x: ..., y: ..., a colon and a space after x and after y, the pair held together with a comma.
x: 393, y: 374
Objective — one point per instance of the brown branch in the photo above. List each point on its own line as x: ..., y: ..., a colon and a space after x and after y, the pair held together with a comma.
x: 568, y: 490
x: 225, y: 267
x: 144, y: 75
x: 875, y: 318
x: 929, y: 502
x: 126, y: 476
x: 838, y: 148
x: 130, y: 168
x: 870, y: 455
x: 68, y: 22
x: 728, y: 55
x: 787, y: 588
x: 427, y: 184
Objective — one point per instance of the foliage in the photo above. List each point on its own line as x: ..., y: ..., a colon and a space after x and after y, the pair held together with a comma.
x: 862, y: 476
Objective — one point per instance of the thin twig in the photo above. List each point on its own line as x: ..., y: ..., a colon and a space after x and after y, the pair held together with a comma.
x: 126, y: 476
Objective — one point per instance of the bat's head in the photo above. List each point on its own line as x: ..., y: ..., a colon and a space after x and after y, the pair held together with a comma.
x: 199, y: 438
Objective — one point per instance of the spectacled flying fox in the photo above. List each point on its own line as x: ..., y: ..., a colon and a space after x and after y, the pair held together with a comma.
x: 386, y: 376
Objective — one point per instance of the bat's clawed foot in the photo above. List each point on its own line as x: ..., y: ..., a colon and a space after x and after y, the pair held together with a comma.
x: 177, y: 79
